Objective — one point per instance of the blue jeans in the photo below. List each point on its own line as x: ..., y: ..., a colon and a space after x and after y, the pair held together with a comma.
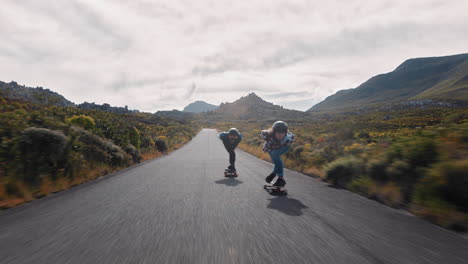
x: 275, y: 156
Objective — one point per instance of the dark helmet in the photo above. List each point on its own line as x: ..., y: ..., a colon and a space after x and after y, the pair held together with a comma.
x: 280, y: 127
x: 233, y: 132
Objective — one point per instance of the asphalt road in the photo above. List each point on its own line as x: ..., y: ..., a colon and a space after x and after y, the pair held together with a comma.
x: 181, y: 209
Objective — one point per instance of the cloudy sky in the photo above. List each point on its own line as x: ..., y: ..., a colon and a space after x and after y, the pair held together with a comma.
x: 162, y: 55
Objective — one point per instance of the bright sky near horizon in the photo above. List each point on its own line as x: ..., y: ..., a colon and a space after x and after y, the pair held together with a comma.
x: 163, y: 55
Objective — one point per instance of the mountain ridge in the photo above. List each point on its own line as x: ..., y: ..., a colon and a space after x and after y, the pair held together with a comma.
x: 44, y: 96
x: 253, y: 107
x: 431, y: 78
x: 199, y: 107
x: 37, y: 95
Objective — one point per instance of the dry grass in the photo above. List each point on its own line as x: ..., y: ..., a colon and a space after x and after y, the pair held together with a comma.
x: 11, y: 202
x: 176, y: 146
x: 92, y: 174
x: 390, y: 194
x: 3, y: 193
x: 46, y: 187
x: 24, y: 194
x: 150, y: 155
x: 289, y: 164
x: 314, y: 171
x: 24, y: 191
x: 443, y: 216
x: 256, y: 151
x: 97, y: 172
x: 62, y: 184
x: 88, y: 173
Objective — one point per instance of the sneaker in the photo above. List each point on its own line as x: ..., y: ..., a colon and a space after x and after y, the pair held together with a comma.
x: 270, y: 177
x: 231, y: 169
x: 280, y: 182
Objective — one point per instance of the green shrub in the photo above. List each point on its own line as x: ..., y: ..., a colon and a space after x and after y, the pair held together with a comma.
x: 331, y: 152
x: 295, y: 153
x: 134, y: 153
x: 455, y: 118
x: 398, y: 170
x: 118, y: 159
x: 40, y: 152
x: 161, y: 145
x: 92, y: 146
x: 421, y: 152
x: 395, y: 152
x: 345, y: 133
x: 456, y: 189
x: 418, y: 151
x: 135, y: 137
x: 118, y: 156
x: 83, y: 121
x: 363, y: 185
x: 410, y: 158
x: 74, y: 164
x: 447, y: 182
x: 146, y: 143
x: 377, y: 170
x: 97, y: 149
x: 298, y: 150
x: 363, y: 135
x: 343, y: 171
x: 12, y: 189
x: 464, y: 135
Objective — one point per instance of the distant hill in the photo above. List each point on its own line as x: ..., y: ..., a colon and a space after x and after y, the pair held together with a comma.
x: 37, y: 95
x: 252, y: 107
x: 43, y: 96
x: 199, y: 107
x: 420, y: 81
x: 175, y: 114
x: 106, y: 107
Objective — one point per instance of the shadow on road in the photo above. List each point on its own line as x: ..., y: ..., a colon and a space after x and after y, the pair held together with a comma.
x: 287, y: 205
x: 229, y: 182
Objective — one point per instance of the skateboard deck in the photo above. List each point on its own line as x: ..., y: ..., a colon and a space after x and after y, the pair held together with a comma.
x: 230, y: 174
x: 275, y: 189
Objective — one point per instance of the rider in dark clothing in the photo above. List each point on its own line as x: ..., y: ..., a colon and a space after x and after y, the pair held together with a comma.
x: 231, y: 139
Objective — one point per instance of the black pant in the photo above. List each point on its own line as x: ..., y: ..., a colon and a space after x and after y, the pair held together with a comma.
x: 232, y: 155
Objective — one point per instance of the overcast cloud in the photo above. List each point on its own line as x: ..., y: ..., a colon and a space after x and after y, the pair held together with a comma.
x: 162, y: 55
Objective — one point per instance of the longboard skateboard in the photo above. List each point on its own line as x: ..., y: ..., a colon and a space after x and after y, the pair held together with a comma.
x: 275, y: 189
x: 231, y: 174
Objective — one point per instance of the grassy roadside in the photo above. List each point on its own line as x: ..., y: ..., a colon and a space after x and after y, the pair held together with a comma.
x: 46, y: 149
x: 25, y: 193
